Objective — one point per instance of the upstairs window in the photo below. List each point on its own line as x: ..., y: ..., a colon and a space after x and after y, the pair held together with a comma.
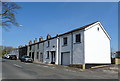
x: 65, y: 41
x: 78, y: 38
x: 30, y: 47
x: 98, y: 28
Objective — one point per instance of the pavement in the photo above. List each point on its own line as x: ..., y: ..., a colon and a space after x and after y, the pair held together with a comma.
x: 14, y: 69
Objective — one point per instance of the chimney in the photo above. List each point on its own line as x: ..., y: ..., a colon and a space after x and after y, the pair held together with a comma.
x: 40, y: 39
x: 30, y: 42
x: 48, y: 36
x: 57, y: 35
x: 35, y: 41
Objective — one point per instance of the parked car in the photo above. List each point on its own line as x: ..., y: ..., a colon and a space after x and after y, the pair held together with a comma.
x: 26, y: 59
x: 13, y: 57
x: 4, y: 56
x: 8, y: 56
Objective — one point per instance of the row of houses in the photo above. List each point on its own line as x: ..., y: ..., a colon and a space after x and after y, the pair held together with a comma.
x: 89, y: 44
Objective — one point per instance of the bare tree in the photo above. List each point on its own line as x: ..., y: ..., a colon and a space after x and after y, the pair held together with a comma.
x: 8, y: 14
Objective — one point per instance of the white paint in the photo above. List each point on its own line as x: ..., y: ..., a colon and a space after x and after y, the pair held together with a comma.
x: 17, y: 65
x: 97, y: 45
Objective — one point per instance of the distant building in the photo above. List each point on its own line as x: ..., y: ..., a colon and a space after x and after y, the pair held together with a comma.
x: 89, y: 44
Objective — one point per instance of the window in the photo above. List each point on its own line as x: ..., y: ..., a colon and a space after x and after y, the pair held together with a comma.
x: 37, y: 55
x: 65, y: 41
x: 47, y: 55
x: 78, y: 38
x: 38, y: 46
x: 98, y: 28
x: 30, y: 47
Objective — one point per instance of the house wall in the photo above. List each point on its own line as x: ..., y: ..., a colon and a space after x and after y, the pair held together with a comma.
x: 31, y: 51
x: 96, y: 45
x: 65, y: 49
x: 53, y: 45
x: 78, y: 48
x: 39, y: 50
x: 22, y: 51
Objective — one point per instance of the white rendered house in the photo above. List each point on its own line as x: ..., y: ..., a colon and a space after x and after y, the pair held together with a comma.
x: 86, y: 45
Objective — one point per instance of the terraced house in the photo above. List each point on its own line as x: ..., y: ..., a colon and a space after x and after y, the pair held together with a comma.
x: 89, y: 44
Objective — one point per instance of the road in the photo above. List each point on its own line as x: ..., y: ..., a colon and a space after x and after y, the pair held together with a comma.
x: 12, y: 69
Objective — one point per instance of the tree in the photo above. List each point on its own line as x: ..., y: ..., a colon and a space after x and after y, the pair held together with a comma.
x: 6, y: 49
x: 8, y: 14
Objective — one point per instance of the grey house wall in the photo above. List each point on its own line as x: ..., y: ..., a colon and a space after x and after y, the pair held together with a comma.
x: 31, y: 51
x: 39, y: 50
x: 64, y: 48
x: 78, y: 48
x: 52, y: 47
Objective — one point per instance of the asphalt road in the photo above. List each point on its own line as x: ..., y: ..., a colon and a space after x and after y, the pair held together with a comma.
x: 14, y: 69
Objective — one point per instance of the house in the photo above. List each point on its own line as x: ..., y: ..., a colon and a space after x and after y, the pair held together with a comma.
x: 85, y: 46
x: 22, y: 50
x: 89, y: 44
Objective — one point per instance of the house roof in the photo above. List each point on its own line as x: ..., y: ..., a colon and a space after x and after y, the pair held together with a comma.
x: 80, y: 28
x: 83, y: 27
x: 67, y: 32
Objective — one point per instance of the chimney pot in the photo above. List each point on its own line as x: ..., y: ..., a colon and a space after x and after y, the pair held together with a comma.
x: 40, y: 39
x: 35, y: 41
x: 30, y: 42
x: 48, y: 36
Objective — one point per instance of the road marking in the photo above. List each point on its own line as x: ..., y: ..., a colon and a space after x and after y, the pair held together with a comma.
x: 17, y: 65
x: 45, y: 66
x: 27, y: 63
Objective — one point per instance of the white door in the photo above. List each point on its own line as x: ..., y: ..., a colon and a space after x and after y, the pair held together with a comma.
x: 65, y: 59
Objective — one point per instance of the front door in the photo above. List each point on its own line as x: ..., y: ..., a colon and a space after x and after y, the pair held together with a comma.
x: 33, y: 56
x: 53, y: 57
x: 41, y: 57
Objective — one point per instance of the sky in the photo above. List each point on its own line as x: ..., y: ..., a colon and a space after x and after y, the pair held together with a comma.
x: 42, y: 18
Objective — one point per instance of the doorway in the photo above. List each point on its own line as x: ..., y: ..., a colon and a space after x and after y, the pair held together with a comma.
x: 53, y: 57
x: 41, y: 57
x: 33, y: 56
